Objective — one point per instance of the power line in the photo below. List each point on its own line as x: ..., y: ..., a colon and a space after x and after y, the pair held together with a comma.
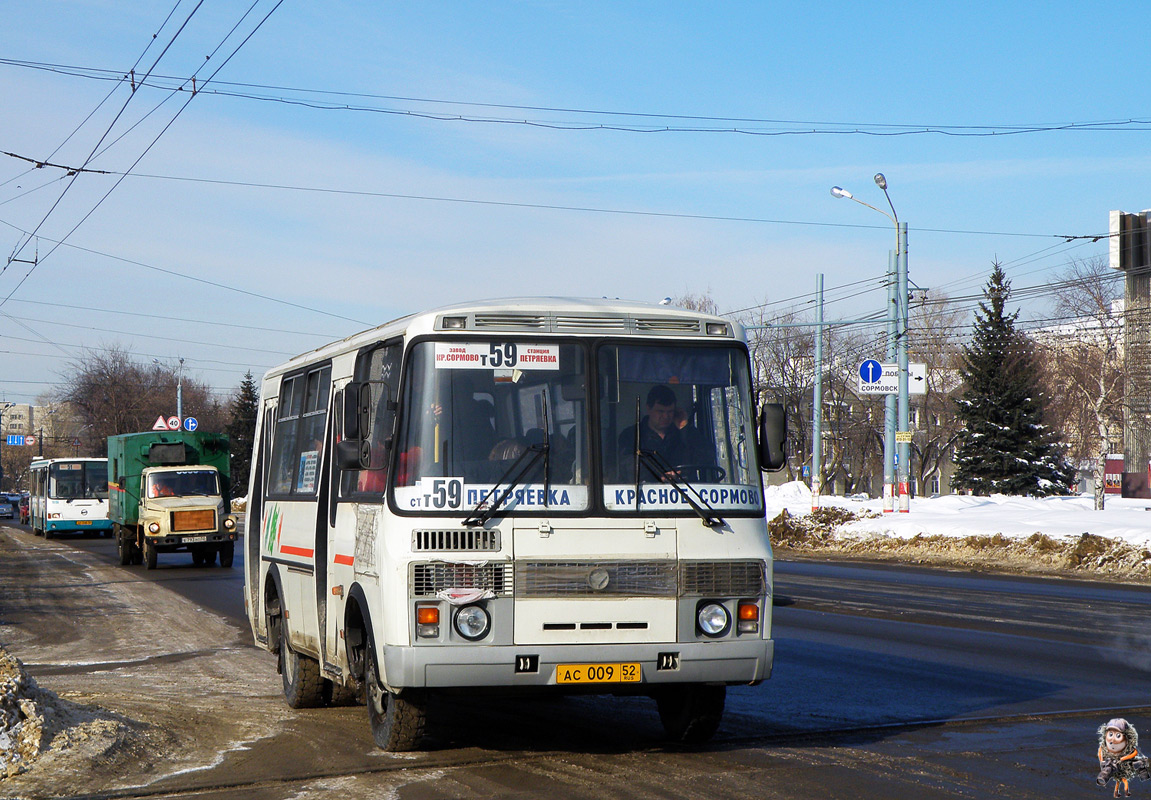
x: 731, y: 124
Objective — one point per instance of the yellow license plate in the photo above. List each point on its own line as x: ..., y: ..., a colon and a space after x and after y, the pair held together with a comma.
x: 83, y: 522
x: 598, y: 673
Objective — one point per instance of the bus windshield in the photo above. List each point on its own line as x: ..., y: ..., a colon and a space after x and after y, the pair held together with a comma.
x: 676, y: 420
x: 480, y: 415
x: 78, y: 480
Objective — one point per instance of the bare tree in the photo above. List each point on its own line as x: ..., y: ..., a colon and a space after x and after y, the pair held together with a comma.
x: 1087, y: 348
x: 108, y: 392
x: 782, y: 360
x: 933, y: 335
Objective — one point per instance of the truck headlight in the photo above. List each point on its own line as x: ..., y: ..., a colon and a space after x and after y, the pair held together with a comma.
x: 713, y: 619
x: 153, y: 527
x: 472, y: 622
x: 229, y: 524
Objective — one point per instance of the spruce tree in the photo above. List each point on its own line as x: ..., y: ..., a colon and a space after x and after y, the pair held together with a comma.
x: 241, y: 432
x: 1004, y: 447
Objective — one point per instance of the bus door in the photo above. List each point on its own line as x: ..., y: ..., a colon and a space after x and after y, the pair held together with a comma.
x: 355, y: 505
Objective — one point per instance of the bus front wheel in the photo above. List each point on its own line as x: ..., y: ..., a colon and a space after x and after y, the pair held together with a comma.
x: 691, y: 713
x: 303, y: 684
x: 397, y: 718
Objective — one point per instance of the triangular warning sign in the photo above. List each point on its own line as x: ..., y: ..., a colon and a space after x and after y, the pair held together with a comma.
x: 161, y: 424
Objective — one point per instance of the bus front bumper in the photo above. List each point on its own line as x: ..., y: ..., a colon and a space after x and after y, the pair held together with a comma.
x: 514, y: 666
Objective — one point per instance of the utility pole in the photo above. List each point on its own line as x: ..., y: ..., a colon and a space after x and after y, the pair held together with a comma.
x: 889, y: 399
x: 817, y: 401
x: 901, y: 348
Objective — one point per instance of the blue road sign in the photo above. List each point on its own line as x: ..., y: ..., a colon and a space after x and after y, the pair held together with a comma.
x: 190, y: 424
x: 870, y: 371
x: 14, y: 439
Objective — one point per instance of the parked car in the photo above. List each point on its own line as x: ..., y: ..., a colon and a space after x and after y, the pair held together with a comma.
x: 6, y: 510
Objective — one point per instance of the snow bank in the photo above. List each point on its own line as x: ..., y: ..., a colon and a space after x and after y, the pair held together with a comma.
x: 959, y: 516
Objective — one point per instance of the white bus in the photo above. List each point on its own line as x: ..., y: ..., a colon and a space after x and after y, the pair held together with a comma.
x: 69, y: 495
x: 515, y: 495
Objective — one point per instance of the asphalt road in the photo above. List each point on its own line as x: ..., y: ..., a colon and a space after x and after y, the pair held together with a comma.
x: 889, y: 682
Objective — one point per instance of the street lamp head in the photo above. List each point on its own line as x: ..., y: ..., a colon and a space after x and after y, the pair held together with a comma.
x: 881, y: 181
x: 838, y: 192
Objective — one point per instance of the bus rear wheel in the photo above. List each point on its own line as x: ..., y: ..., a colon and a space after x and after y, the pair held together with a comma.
x: 397, y: 719
x: 691, y: 714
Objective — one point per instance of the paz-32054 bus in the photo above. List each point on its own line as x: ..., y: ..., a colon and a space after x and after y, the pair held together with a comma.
x: 532, y: 494
x: 69, y: 495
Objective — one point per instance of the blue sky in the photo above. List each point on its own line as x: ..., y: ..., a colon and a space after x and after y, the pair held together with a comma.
x: 699, y: 208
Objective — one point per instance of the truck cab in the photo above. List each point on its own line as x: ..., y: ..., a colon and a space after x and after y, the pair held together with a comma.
x: 183, y: 508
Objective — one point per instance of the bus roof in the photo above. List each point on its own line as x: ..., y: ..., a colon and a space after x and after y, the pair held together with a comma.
x: 537, y: 315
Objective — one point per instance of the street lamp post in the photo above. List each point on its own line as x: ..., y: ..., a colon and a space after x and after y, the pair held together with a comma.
x: 897, y: 313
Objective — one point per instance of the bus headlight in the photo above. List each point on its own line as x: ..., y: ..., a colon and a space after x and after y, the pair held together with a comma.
x: 472, y: 622
x: 713, y: 619
x: 153, y: 527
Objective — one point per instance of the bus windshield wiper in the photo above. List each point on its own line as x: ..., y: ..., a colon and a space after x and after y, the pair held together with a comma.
x: 664, y: 471
x: 513, y: 477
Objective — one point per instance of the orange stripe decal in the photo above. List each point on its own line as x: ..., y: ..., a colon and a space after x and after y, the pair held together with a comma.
x: 345, y: 560
x: 297, y: 551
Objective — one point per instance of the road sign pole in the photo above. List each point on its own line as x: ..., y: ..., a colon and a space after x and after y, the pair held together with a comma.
x: 901, y: 343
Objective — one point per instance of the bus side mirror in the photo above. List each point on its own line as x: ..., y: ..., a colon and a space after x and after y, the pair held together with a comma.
x: 350, y: 454
x: 772, y: 437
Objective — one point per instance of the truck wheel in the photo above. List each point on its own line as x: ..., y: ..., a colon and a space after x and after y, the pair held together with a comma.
x: 397, y: 719
x: 197, y: 557
x: 123, y: 547
x: 227, y: 553
x: 303, y: 685
x: 691, y: 714
x: 150, y: 555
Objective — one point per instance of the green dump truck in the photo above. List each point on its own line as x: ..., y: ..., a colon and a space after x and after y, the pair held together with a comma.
x: 168, y: 492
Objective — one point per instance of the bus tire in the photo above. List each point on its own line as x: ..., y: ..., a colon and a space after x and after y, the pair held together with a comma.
x: 691, y: 714
x: 303, y: 684
x: 397, y: 719
x: 227, y: 554
x: 150, y: 555
x: 336, y: 694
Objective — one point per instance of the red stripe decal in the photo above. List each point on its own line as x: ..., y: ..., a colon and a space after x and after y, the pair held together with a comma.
x: 346, y: 560
x: 297, y: 551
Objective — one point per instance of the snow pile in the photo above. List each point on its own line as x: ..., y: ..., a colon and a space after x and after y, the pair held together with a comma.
x: 21, y: 721
x: 1026, y: 533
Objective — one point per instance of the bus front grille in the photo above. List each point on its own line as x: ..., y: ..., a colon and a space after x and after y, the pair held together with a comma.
x: 661, y: 578
x: 428, y: 580
x: 596, y: 578
x: 723, y: 578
